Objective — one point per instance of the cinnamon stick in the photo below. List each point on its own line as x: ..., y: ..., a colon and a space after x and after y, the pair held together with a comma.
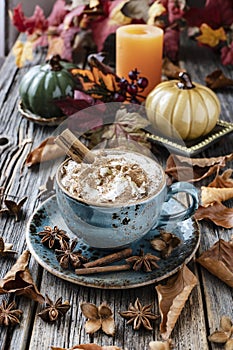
x: 101, y: 269
x: 74, y: 148
x: 125, y: 253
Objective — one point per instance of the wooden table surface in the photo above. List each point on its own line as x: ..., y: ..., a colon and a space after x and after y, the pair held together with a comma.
x: 209, y: 300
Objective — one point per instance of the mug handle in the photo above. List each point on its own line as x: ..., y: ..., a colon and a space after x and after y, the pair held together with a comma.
x: 188, y: 212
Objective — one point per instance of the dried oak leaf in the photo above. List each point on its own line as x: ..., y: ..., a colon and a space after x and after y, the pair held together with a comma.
x: 211, y: 195
x: 6, y: 248
x: 90, y: 346
x: 161, y: 345
x: 172, y: 298
x: 9, y: 315
x: 13, y: 208
x: 18, y: 280
x: 218, y: 260
x: 217, y: 213
x: 223, y: 335
x: 98, y: 318
x: 217, y: 79
x: 54, y: 310
x: 186, y: 169
x: 47, y: 150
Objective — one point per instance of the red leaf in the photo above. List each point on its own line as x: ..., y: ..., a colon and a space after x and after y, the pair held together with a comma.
x: 29, y: 24
x: 58, y: 13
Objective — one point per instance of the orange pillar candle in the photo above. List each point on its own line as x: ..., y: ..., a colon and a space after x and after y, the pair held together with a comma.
x: 140, y: 46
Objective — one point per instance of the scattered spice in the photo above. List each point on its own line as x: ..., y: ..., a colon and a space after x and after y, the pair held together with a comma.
x: 146, y: 262
x: 13, y: 208
x: 217, y: 79
x: 6, y: 248
x: 224, y: 334
x: 165, y: 243
x: 67, y: 257
x: 139, y: 315
x: 53, y: 237
x: 9, y: 315
x: 54, y: 310
x: 47, y: 190
x: 110, y: 258
x: 100, y: 317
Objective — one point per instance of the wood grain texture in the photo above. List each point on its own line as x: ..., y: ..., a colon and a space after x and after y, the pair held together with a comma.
x: 209, y: 300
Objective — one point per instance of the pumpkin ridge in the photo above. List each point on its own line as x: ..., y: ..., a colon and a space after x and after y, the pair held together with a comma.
x: 205, y: 129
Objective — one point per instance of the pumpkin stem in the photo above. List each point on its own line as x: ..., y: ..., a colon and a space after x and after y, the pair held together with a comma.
x: 185, y: 81
x: 54, y: 63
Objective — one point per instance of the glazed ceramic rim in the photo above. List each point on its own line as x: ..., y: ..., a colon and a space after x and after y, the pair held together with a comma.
x: 26, y: 113
x: 112, y: 205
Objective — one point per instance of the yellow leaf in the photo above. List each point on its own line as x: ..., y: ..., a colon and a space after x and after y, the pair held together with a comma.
x: 23, y: 52
x: 117, y: 17
x: 211, y: 36
x: 155, y: 10
x: 56, y: 46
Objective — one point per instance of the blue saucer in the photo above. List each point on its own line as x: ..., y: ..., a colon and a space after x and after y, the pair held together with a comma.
x: 48, y: 214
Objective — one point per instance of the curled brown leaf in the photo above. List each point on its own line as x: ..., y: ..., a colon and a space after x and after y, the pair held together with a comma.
x: 18, y: 280
x: 217, y: 213
x: 47, y: 150
x: 218, y: 79
x: 172, y: 298
x: 210, y: 195
x: 170, y: 69
x: 194, y: 169
x: 218, y: 260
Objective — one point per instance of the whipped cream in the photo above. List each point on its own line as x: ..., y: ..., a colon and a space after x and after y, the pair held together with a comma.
x: 114, y: 177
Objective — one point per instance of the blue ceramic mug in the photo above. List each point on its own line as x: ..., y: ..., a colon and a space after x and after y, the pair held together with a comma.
x: 113, y: 226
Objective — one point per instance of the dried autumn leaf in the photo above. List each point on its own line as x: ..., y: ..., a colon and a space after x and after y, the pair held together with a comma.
x: 217, y: 213
x: 161, y: 345
x: 100, y: 82
x: 186, y: 169
x: 172, y: 298
x: 6, y: 248
x: 218, y: 79
x: 210, y: 36
x: 223, y: 180
x: 90, y: 346
x: 18, y: 280
x: 210, y: 195
x: 47, y: 150
x: 23, y: 52
x: 170, y: 69
x: 218, y: 260
x: 13, y: 208
x: 155, y: 10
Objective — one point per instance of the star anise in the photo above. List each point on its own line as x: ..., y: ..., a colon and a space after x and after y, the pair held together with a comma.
x: 165, y: 243
x: 100, y: 317
x: 139, y: 315
x: 9, y: 315
x: 53, y: 237
x: 13, y: 208
x: 54, y: 310
x: 146, y: 262
x: 66, y: 255
x: 6, y: 248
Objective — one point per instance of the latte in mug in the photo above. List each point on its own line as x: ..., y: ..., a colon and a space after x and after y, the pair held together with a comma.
x: 113, y: 178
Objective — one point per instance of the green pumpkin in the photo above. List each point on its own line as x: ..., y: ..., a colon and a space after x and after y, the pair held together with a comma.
x: 43, y: 84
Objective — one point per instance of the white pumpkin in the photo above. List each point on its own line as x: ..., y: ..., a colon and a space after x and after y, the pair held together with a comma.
x: 182, y: 108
